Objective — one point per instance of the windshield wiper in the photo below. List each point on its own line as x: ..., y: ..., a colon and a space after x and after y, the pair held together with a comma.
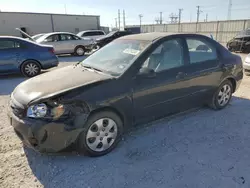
x: 92, y: 68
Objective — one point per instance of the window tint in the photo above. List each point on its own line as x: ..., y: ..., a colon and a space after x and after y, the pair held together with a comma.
x: 200, y: 50
x: 166, y: 56
x: 52, y: 38
x: 7, y: 44
x: 100, y: 33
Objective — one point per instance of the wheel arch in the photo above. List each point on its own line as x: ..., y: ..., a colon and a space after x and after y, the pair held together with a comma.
x: 233, y: 81
x: 79, y: 45
x: 20, y: 66
x: 111, y: 109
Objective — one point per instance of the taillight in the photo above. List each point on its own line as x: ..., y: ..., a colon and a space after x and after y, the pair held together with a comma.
x: 51, y: 50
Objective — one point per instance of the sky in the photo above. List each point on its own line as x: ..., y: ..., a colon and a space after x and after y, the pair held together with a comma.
x: 150, y: 9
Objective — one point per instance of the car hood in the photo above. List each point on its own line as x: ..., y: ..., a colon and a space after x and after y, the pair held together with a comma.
x: 55, y: 82
x: 102, y: 38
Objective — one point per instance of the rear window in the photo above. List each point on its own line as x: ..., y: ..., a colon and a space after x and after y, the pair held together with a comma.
x: 93, y: 33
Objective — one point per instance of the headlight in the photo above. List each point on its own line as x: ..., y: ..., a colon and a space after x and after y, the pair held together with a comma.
x: 52, y: 111
x: 37, y: 110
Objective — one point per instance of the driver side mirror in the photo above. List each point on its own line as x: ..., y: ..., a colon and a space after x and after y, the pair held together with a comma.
x: 146, y: 73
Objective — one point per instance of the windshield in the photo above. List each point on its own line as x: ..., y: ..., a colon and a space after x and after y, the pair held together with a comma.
x: 35, y: 37
x: 116, y: 57
x: 111, y: 33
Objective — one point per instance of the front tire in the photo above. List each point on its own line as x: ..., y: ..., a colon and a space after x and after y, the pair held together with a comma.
x: 222, y: 96
x: 102, y: 132
x: 30, y: 68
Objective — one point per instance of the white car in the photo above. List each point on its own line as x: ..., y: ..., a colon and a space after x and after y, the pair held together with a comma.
x: 246, y: 65
x: 93, y: 34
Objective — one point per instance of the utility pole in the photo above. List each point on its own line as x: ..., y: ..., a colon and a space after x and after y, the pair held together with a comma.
x: 140, y: 16
x: 65, y: 8
x: 206, y: 16
x: 160, y: 17
x: 124, y: 23
x: 180, y: 11
x: 229, y: 10
x: 116, y: 23
x: 119, y: 17
x: 198, y: 13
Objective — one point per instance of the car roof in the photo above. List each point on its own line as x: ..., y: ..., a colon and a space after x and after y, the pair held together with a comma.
x: 18, y: 38
x: 155, y: 35
x: 91, y: 31
x: 10, y: 37
x: 52, y: 33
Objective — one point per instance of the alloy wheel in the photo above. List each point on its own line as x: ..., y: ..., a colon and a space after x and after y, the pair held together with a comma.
x: 31, y: 69
x: 80, y: 51
x: 101, y: 134
x: 224, y: 95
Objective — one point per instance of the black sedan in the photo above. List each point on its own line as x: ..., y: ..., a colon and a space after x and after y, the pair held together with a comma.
x: 102, y: 41
x: 133, y: 80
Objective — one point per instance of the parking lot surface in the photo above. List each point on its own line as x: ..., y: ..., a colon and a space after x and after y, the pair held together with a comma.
x: 201, y: 148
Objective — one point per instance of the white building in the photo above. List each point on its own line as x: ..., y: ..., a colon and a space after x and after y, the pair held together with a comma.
x: 34, y: 23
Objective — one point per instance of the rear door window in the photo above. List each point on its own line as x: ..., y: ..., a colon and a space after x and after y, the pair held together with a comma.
x: 201, y: 50
x: 52, y: 38
x: 7, y: 44
x: 65, y: 37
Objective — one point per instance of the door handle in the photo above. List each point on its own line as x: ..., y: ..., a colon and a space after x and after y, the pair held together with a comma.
x: 181, y: 75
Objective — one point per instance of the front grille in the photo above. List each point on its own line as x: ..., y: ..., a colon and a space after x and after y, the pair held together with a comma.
x: 17, y: 110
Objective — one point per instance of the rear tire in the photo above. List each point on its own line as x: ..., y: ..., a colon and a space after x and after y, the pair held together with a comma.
x: 79, y: 51
x: 222, y: 96
x: 101, y: 134
x: 30, y: 68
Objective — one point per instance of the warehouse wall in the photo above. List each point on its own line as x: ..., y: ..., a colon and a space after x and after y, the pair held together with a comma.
x: 33, y: 22
x: 222, y: 31
x: 43, y: 23
x: 74, y: 24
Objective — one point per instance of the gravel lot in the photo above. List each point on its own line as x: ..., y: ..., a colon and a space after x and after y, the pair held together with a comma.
x: 200, y: 148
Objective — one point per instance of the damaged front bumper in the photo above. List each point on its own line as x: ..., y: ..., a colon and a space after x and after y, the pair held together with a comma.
x: 44, y: 136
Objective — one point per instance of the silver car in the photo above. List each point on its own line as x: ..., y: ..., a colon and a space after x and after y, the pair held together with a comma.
x: 66, y: 43
x: 93, y: 34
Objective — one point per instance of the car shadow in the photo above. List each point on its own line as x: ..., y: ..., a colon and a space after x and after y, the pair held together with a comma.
x: 8, y: 83
x: 185, y: 148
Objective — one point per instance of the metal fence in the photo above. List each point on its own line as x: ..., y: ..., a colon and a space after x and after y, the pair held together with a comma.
x: 222, y: 31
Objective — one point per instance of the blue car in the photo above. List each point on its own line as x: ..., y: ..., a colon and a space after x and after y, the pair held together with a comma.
x: 27, y: 57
